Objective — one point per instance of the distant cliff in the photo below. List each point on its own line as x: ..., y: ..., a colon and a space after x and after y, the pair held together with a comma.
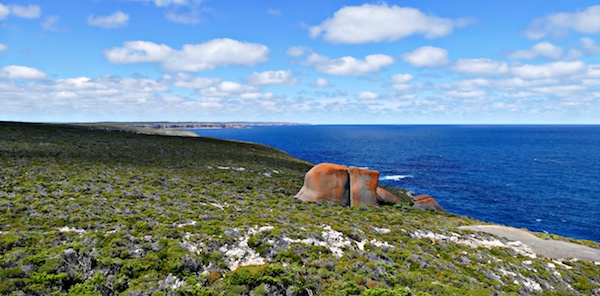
x: 193, y: 125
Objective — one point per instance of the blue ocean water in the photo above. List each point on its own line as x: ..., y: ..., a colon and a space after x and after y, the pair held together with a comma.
x: 539, y: 177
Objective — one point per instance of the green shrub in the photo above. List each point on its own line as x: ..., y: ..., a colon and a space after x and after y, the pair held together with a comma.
x: 14, y: 272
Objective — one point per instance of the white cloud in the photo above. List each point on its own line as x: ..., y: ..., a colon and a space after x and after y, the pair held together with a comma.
x: 3, y: 47
x: 233, y: 90
x: 4, y: 11
x: 228, y: 86
x: 30, y: 11
x: 115, y: 98
x: 559, y: 24
x: 50, y: 23
x: 165, y: 3
x: 296, y: 51
x: 138, y: 52
x: 470, y: 84
x: 402, y: 78
x: 466, y: 94
x: 115, y: 20
x: 349, y: 66
x: 21, y: 72
x: 367, y: 95
x: 192, y: 57
x: 179, y: 11
x: 589, y: 46
x: 83, y: 98
x: 321, y: 82
x: 187, y: 81
x: 401, y: 81
x: 190, y: 17
x: 549, y: 70
x: 273, y: 11
x: 427, y: 56
x: 593, y: 71
x: 272, y: 77
x: 375, y: 23
x: 480, y: 66
x: 544, y: 49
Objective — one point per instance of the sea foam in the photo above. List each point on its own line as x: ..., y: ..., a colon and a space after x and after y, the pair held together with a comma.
x: 395, y: 177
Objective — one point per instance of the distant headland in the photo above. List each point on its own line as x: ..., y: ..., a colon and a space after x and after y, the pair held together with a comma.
x: 193, y: 125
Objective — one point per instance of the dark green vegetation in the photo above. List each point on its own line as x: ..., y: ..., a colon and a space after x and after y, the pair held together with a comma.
x: 95, y: 212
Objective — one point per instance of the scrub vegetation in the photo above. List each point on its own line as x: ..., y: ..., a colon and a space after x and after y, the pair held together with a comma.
x: 89, y: 211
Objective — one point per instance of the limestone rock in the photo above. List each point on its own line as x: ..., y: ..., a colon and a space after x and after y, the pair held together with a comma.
x: 426, y: 202
x: 345, y: 186
x: 326, y: 182
x: 384, y: 196
x: 363, y: 187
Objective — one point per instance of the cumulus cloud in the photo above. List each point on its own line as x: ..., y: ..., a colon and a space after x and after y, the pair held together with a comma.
x: 321, y: 82
x: 549, y: 70
x: 402, y: 78
x: 559, y: 24
x: 348, y: 66
x: 192, y: 57
x: 480, y: 66
x: 165, y: 3
x: 30, y: 11
x: 272, y: 77
x: 376, y: 23
x: 138, y: 52
x: 179, y: 11
x: 367, y: 95
x: 470, y: 84
x: 543, y: 49
x: 186, y: 81
x: 427, y: 56
x: 189, y: 17
x: 83, y: 97
x: 117, y: 98
x: 466, y: 94
x: 4, y: 11
x: 229, y: 90
x: 401, y: 81
x: 112, y: 21
x: 21, y: 72
x: 296, y: 51
x: 51, y: 23
x: 344, y: 66
x: 589, y: 46
x: 3, y: 47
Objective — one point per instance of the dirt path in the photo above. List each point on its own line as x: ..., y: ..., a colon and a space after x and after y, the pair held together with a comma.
x: 547, y: 248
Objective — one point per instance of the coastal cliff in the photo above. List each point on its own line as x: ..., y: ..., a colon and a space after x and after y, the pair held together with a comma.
x: 87, y: 210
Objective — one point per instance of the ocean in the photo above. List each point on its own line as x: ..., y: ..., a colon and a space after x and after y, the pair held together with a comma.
x: 539, y: 177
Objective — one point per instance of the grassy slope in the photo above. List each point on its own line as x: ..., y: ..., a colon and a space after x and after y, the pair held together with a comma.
x: 170, y: 215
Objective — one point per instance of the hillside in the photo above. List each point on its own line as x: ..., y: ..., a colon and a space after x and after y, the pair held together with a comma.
x: 90, y: 211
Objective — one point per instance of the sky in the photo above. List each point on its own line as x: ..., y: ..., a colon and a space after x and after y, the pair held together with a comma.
x: 320, y: 62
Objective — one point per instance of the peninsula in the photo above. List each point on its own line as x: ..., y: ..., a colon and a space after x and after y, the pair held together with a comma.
x: 88, y: 210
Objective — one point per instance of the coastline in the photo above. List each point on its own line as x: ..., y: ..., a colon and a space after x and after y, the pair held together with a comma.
x: 97, y: 210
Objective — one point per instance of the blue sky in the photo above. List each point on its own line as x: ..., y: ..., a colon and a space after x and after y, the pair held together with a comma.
x: 324, y: 62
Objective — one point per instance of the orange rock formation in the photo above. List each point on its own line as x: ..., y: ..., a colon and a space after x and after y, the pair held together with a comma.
x: 352, y: 187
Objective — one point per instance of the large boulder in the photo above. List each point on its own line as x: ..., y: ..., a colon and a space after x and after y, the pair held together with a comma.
x: 345, y: 186
x: 426, y: 202
x: 326, y: 182
x: 384, y: 196
x: 363, y: 186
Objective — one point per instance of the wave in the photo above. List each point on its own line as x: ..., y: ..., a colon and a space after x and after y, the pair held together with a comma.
x: 395, y: 177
